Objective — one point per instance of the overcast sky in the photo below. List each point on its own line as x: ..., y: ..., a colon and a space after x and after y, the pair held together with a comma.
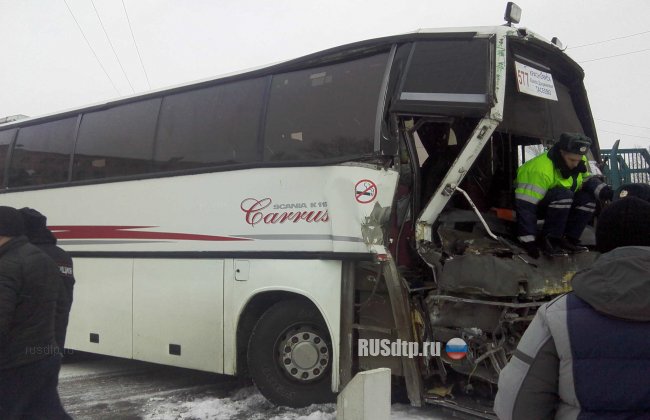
x: 48, y: 66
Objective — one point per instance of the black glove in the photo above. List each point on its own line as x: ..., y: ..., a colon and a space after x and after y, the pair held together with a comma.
x: 531, y: 249
x: 582, y: 167
x: 606, y: 194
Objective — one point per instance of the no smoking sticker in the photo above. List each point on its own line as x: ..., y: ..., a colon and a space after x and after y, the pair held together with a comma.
x: 365, y: 191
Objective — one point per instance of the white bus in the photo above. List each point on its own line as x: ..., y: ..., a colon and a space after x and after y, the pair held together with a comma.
x: 260, y: 223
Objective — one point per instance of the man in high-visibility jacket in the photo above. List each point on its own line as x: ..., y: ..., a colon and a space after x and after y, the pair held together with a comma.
x: 556, y: 186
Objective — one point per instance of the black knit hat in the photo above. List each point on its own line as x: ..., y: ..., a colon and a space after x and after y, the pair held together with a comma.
x: 11, y: 222
x: 34, y: 221
x: 625, y: 222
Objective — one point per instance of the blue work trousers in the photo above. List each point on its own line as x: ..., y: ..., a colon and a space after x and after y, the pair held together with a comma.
x: 565, y: 213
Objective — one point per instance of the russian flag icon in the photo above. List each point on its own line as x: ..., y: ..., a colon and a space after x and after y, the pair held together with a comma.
x: 456, y: 348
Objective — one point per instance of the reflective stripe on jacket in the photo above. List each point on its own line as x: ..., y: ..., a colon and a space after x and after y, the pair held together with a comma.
x: 538, y: 175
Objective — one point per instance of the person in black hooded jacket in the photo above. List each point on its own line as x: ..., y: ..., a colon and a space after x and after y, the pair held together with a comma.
x: 38, y: 233
x: 30, y: 286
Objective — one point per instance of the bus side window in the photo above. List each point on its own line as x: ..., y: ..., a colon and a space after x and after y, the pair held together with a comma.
x: 213, y: 126
x: 324, y: 112
x: 6, y: 137
x: 41, y: 154
x: 117, y: 141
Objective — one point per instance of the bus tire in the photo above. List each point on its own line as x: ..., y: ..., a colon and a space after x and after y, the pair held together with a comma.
x: 289, y: 355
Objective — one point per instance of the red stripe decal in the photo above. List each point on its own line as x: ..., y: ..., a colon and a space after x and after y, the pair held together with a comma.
x: 127, y: 232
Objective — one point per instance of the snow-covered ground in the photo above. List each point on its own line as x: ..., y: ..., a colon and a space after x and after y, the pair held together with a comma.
x: 248, y: 403
x: 245, y: 403
x: 110, y: 388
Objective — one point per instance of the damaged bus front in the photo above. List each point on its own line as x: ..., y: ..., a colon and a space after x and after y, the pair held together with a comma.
x: 467, y: 109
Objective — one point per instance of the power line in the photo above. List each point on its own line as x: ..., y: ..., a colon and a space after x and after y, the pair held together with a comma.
x: 620, y: 123
x: 613, y: 56
x: 623, y: 134
x: 608, y: 40
x: 112, y: 48
x: 136, y: 45
x: 91, y: 48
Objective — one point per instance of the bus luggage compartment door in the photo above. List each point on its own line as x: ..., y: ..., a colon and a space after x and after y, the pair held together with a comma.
x: 178, y: 313
x: 101, y: 315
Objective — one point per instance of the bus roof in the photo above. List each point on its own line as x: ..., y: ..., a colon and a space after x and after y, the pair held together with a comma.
x: 306, y: 61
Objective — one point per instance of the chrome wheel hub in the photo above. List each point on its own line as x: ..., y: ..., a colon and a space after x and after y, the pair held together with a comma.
x: 304, y: 355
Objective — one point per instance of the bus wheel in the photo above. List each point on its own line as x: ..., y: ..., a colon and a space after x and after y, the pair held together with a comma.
x: 289, y: 355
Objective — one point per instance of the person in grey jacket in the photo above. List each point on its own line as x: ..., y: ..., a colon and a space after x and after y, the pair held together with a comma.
x: 586, y: 354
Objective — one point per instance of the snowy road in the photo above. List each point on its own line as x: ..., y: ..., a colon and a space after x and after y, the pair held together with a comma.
x: 109, y: 388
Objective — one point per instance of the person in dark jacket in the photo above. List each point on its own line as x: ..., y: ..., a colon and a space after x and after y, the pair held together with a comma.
x: 38, y: 234
x: 587, y: 353
x: 30, y: 286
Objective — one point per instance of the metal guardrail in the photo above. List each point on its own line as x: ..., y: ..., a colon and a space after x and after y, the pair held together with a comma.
x: 625, y: 166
